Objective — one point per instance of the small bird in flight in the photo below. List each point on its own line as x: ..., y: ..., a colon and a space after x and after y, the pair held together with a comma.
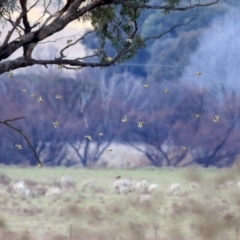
x: 10, y: 73
x: 24, y: 90
x: 198, y: 115
x: 124, y: 119
x: 34, y: 95
x: 166, y: 90
x: 101, y: 134
x: 88, y: 137
x: 198, y: 73
x: 141, y: 124
x: 58, y: 96
x: 146, y: 85
x: 118, y: 177
x: 18, y: 146
x: 216, y: 118
x: 40, y: 99
x: 56, y: 124
x: 109, y: 150
x: 184, y: 148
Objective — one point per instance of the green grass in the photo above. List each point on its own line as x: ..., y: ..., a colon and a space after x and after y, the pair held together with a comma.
x: 98, y: 212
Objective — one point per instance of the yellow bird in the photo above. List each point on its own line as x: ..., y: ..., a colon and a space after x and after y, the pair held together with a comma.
x: 40, y: 99
x: 166, y: 90
x: 88, y: 137
x: 129, y: 40
x: 216, y: 118
x: 18, y: 146
x: 56, y: 124
x: 109, y: 59
x: 40, y: 165
x: 141, y: 124
x: 124, y: 119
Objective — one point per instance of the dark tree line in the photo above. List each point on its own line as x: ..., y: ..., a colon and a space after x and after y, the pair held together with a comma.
x: 172, y: 135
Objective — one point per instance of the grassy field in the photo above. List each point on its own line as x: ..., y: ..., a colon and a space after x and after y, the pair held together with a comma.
x: 96, y: 211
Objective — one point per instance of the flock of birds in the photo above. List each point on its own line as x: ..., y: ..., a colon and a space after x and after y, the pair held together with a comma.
x: 124, y: 119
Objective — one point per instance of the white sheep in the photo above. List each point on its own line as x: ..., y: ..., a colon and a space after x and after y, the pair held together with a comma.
x: 175, y: 187
x: 153, y: 187
x: 29, y: 193
x: 227, y: 184
x: 67, y: 181
x: 53, y: 191
x: 19, y: 187
x: 122, y: 183
x: 22, y: 189
x: 145, y: 198
x: 194, y: 185
x: 142, y: 185
x: 124, y: 190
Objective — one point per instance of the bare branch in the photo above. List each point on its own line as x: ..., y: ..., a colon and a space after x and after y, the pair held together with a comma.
x: 6, y: 122
x: 171, y: 29
x: 5, y: 42
x: 170, y: 8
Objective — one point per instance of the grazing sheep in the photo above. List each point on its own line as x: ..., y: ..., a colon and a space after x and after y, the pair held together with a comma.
x: 53, y: 191
x: 153, y: 187
x: 225, y: 185
x: 194, y: 185
x: 67, y: 181
x: 142, y: 185
x: 122, y: 183
x: 175, y: 187
x: 22, y: 189
x: 29, y: 193
x: 145, y: 198
x: 124, y: 190
x: 19, y: 187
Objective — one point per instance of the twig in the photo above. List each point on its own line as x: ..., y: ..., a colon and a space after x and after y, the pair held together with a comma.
x: 6, y: 122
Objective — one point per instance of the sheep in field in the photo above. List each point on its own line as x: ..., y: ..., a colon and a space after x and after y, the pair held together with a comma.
x: 142, y: 185
x: 153, y: 187
x: 22, y: 189
x: 53, y: 191
x: 121, y: 184
x: 67, y: 181
x: 146, y: 198
x: 19, y: 187
x: 175, y: 187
